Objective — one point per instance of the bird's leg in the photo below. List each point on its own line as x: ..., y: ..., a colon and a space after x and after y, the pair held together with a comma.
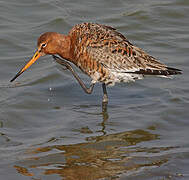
x: 68, y: 66
x: 104, y: 102
x: 105, y: 95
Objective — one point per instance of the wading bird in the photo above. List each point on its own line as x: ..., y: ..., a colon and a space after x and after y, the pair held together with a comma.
x: 102, y: 53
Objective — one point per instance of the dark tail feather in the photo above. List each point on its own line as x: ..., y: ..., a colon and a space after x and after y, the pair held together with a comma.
x: 167, y: 72
x: 174, y: 71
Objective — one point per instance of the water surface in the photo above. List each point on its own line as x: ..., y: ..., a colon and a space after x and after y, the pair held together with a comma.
x: 51, y: 129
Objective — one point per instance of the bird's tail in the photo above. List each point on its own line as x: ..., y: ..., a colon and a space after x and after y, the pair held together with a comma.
x: 159, y: 72
x: 173, y: 71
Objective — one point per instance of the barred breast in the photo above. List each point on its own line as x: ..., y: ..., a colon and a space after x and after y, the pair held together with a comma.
x: 107, y: 56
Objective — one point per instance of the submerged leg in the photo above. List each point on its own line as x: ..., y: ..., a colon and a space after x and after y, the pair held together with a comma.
x: 69, y: 67
x: 105, y: 95
x: 104, y: 102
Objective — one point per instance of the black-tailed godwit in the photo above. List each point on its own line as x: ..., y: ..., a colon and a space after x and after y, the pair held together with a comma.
x: 100, y: 52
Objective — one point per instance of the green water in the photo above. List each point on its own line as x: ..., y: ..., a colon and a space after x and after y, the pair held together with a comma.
x: 51, y: 129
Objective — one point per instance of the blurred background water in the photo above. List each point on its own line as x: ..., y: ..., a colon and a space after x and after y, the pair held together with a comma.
x: 51, y: 129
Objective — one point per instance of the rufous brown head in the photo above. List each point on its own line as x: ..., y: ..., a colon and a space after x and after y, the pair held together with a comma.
x: 48, y: 43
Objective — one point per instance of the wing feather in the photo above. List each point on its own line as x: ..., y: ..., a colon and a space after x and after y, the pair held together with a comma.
x: 112, y: 50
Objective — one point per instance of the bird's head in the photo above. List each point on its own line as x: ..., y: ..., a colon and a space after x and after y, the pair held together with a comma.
x: 48, y: 43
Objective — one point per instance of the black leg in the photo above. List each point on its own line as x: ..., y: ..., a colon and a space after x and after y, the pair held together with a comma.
x: 104, y: 101
x: 69, y: 67
x: 89, y: 90
x: 105, y: 95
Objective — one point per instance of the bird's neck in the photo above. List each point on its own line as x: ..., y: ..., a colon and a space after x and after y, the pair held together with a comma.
x: 64, y: 47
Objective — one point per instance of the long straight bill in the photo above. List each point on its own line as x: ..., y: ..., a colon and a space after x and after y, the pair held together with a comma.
x: 30, y: 62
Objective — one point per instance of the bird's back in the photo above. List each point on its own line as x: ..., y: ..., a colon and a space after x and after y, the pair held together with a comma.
x: 107, y: 56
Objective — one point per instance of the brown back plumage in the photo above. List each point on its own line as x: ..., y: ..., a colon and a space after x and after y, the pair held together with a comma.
x: 110, y: 51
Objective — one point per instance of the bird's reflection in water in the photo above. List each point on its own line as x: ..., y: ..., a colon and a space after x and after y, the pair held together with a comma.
x: 106, y: 156
x: 104, y: 111
x: 105, y: 116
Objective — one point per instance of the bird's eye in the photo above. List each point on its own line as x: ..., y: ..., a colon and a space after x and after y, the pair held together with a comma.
x: 43, y: 45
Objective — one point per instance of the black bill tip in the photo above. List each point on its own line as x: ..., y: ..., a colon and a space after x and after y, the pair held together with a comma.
x: 18, y: 74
